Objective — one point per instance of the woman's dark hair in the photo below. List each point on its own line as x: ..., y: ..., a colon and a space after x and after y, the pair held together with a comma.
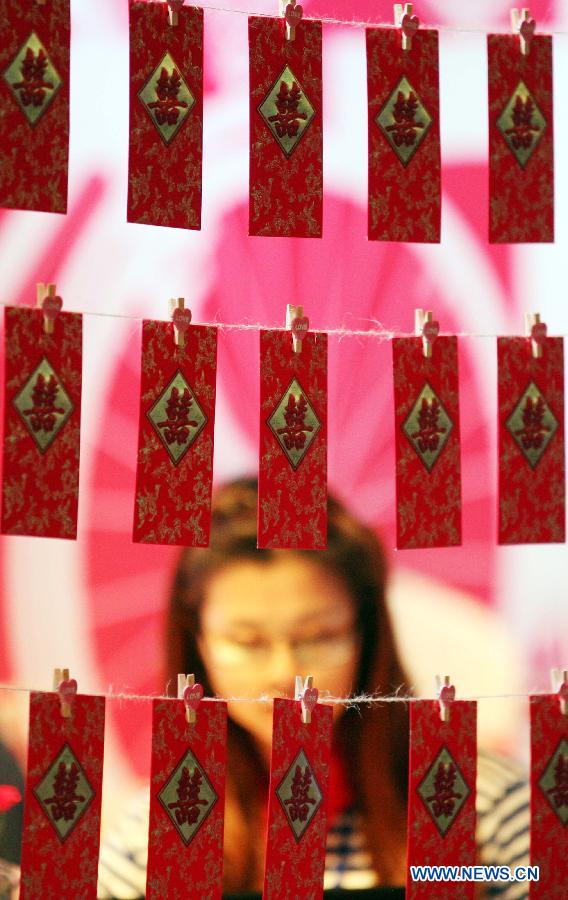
x: 373, y: 742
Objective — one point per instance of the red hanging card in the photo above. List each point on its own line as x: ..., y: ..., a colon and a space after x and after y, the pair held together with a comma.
x: 34, y: 104
x: 404, y: 136
x: 174, y: 471
x: 166, y: 116
x: 62, y: 807
x: 531, y: 442
x: 521, y: 162
x: 292, y: 482
x: 441, y: 795
x: 427, y: 428
x: 299, y: 776
x: 286, y: 149
x: 42, y: 420
x: 187, y: 801
x: 549, y: 797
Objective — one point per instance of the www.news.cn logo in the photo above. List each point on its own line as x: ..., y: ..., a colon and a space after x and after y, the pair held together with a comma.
x: 474, y: 873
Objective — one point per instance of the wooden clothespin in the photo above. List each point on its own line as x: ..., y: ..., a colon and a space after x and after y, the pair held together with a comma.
x: 293, y: 13
x: 174, y: 7
x: 524, y: 26
x: 446, y: 693
x: 427, y: 328
x: 298, y: 324
x: 181, y: 318
x: 307, y: 695
x: 66, y: 688
x: 407, y: 23
x: 536, y: 330
x: 50, y: 304
x: 559, y: 681
x: 191, y: 693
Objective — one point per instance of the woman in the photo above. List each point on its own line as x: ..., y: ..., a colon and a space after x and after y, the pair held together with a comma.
x: 245, y: 622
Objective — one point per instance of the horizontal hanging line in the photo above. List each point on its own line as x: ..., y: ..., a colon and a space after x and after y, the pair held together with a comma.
x: 353, y: 23
x: 358, y: 700
x: 385, y: 334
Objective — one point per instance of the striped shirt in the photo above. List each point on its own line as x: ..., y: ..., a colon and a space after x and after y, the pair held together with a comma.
x: 502, y: 837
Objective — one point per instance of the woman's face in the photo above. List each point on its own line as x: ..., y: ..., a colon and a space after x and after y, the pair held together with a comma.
x: 264, y: 623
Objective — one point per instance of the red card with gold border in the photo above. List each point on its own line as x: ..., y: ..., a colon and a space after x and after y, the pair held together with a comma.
x: 34, y: 104
x: 174, y: 472
x: 62, y: 807
x: 292, y: 483
x: 427, y: 428
x: 404, y: 136
x: 42, y: 421
x: 187, y: 801
x: 441, y: 795
x: 532, y: 490
x: 521, y: 158
x: 297, y: 805
x: 549, y: 797
x: 166, y: 116
x: 286, y: 144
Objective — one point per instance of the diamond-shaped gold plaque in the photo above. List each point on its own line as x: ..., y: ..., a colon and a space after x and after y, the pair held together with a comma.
x: 167, y: 98
x: 177, y: 418
x: 404, y: 121
x: 522, y: 124
x: 64, y: 792
x: 443, y: 791
x: 43, y: 405
x: 287, y: 111
x: 300, y: 795
x: 294, y: 424
x: 428, y: 427
x: 188, y: 797
x: 554, y: 781
x: 532, y: 425
x: 33, y: 79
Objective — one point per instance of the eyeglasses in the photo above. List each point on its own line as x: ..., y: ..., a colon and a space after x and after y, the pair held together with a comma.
x: 325, y: 650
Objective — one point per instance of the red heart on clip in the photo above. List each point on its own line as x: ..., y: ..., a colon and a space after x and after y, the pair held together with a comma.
x: 192, y: 695
x: 181, y: 319
x: 51, y: 306
x: 409, y: 24
x: 563, y: 691
x: 293, y: 14
x: 430, y: 331
x: 538, y: 332
x: 310, y: 698
x: 447, y: 693
x: 300, y: 326
x: 67, y: 690
x: 526, y: 29
x: 176, y: 5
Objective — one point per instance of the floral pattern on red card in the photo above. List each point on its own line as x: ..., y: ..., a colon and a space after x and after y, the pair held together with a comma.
x: 34, y: 97
x: 286, y: 147
x: 166, y: 116
x: 521, y: 155
x: 292, y: 488
x: 532, y: 491
x: 62, y: 807
x: 42, y: 421
x: 174, y: 472
x: 427, y: 434
x: 404, y: 136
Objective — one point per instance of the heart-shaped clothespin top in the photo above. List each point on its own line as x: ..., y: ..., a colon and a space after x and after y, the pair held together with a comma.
x: 409, y: 25
x: 310, y: 698
x: 447, y: 693
x: 538, y: 332
x: 192, y: 695
x: 300, y: 326
x: 563, y: 691
x: 293, y: 14
x: 51, y: 307
x: 526, y: 30
x: 181, y: 319
x: 430, y: 331
x: 68, y: 690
